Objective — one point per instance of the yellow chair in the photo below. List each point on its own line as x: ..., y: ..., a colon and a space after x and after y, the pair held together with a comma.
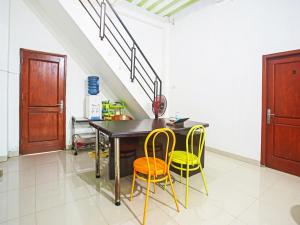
x: 153, y: 169
x: 189, y: 160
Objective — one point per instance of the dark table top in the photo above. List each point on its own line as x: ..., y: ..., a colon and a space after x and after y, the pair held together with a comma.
x: 135, y: 128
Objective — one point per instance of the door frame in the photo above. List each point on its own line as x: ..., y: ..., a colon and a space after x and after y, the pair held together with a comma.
x: 265, y: 59
x: 22, y: 51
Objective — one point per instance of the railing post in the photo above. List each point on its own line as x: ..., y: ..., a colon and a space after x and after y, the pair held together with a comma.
x: 155, y: 98
x: 160, y: 88
x: 155, y: 89
x: 132, y: 67
x: 102, y: 19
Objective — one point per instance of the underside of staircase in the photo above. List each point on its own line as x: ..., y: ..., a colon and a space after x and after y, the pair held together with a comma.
x: 100, y: 42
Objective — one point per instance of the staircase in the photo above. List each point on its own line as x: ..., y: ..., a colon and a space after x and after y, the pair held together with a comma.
x: 103, y: 47
x: 112, y: 29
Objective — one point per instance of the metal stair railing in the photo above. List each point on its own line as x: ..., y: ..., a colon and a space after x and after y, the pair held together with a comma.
x: 113, y: 30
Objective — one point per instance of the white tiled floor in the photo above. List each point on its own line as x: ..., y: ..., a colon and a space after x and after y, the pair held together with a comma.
x: 59, y: 188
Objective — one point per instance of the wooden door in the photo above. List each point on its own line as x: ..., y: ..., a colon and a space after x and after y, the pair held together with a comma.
x: 42, y: 102
x: 281, y: 112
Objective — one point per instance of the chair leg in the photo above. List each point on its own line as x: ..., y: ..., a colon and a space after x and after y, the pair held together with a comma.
x: 173, y: 191
x: 181, y: 173
x: 154, y: 185
x: 187, y: 187
x: 132, y: 187
x: 146, y: 200
x: 203, y: 178
x: 165, y: 186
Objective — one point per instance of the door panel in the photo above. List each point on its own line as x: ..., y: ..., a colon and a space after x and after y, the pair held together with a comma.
x: 281, y: 90
x: 45, y: 81
x: 286, y: 143
x: 42, y: 126
x: 286, y: 89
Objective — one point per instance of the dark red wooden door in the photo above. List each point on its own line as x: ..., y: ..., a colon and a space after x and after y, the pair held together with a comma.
x: 283, y: 112
x: 42, y: 102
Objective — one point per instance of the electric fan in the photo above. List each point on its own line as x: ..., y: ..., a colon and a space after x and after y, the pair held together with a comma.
x: 159, y: 105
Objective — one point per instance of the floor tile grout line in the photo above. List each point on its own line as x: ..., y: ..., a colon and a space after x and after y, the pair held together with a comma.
x: 92, y: 194
x: 35, y: 196
x: 104, y: 216
x: 61, y: 204
x: 241, y: 213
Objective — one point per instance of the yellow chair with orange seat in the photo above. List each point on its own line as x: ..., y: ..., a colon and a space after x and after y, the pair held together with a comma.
x: 153, y: 169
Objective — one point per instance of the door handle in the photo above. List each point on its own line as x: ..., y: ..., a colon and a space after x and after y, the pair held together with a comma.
x: 269, y: 114
x: 61, y: 105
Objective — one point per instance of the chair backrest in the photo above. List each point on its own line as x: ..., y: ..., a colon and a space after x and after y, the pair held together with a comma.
x: 170, y: 141
x: 195, y: 130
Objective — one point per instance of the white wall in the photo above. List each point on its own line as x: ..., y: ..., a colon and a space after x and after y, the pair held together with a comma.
x: 4, y: 18
x: 148, y: 30
x: 216, y: 65
x: 22, y: 28
x: 152, y: 34
x: 26, y: 31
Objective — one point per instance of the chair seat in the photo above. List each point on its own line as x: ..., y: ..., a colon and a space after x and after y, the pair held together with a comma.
x: 140, y: 165
x: 181, y: 157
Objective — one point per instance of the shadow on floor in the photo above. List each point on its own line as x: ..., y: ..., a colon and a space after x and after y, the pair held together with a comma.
x: 295, y: 212
x: 106, y: 187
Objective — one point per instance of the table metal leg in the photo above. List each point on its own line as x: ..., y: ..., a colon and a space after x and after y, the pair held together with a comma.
x: 97, y: 155
x: 117, y: 171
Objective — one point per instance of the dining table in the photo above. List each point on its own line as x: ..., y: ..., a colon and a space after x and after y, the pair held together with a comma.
x: 120, y: 130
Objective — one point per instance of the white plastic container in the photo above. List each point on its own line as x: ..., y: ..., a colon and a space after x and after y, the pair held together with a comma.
x: 93, y: 107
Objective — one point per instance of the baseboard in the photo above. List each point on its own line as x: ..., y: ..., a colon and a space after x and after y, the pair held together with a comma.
x: 233, y: 156
x: 13, y: 153
x: 3, y: 158
x: 68, y: 147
